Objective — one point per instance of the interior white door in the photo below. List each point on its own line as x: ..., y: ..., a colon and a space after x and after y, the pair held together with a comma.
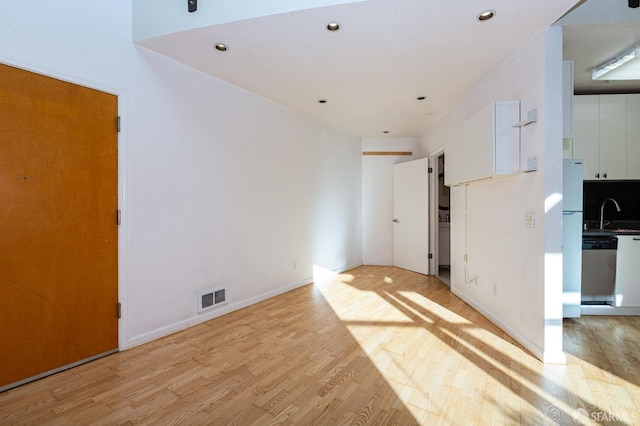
x: 411, y: 215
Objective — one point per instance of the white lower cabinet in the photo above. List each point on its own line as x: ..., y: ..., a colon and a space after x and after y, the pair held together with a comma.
x: 627, y: 273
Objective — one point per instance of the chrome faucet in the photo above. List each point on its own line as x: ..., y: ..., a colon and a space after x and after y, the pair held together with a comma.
x: 602, y: 210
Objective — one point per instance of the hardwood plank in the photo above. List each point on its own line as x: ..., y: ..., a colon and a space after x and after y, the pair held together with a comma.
x: 377, y: 345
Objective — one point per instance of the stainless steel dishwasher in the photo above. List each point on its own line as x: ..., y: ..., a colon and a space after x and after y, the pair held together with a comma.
x: 599, y: 269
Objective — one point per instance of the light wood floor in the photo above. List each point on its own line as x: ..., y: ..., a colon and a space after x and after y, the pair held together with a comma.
x: 377, y: 345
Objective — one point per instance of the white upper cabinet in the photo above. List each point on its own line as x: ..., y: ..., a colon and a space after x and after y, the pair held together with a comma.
x: 586, y: 133
x: 613, y: 137
x: 633, y: 136
x: 606, y: 135
x: 490, y: 145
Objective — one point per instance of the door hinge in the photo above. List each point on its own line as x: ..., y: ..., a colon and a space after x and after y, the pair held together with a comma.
x: 119, y: 310
x: 118, y: 217
x: 430, y: 170
x: 118, y: 124
x: 430, y: 256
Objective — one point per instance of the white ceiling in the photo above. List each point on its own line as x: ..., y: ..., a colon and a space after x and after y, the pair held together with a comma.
x: 591, y: 45
x: 370, y: 72
x: 595, y: 32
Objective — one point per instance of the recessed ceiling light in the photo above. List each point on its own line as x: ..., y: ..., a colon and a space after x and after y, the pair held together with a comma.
x: 322, y: 101
x: 221, y: 47
x: 485, y: 15
x: 421, y: 98
x: 333, y: 26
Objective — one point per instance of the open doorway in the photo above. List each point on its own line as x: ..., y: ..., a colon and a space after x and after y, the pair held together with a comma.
x: 443, y: 228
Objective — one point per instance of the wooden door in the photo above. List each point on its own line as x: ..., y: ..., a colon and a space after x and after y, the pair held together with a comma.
x: 58, y: 230
x: 411, y: 215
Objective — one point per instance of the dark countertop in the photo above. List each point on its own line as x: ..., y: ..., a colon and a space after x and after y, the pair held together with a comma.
x: 613, y: 228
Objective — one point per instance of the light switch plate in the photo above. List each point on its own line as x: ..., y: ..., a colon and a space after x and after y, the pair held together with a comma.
x: 530, y: 220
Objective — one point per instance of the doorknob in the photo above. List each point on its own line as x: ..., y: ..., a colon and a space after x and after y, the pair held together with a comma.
x: 396, y: 220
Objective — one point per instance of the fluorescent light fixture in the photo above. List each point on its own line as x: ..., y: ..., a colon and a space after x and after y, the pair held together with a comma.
x: 600, y: 72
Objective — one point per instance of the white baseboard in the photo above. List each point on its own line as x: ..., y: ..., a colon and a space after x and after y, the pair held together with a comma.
x: 549, y: 357
x: 377, y: 262
x: 348, y: 267
x: 608, y: 310
x: 323, y: 275
x: 197, y: 319
x: 149, y: 336
x: 302, y: 283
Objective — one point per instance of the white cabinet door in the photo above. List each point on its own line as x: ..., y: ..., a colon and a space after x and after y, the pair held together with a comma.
x: 478, y: 145
x: 633, y: 136
x: 613, y: 137
x: 506, y: 138
x: 586, y: 134
x: 627, y: 274
x: 600, y: 135
x: 567, y: 99
x: 489, y: 145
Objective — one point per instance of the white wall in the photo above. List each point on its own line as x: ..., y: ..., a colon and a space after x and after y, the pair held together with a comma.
x: 601, y: 12
x: 218, y: 186
x: 377, y: 196
x: 487, y: 217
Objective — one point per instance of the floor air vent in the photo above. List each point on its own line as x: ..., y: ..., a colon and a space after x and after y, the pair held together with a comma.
x: 210, y: 298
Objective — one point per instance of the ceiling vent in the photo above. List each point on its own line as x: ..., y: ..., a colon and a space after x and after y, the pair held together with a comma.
x: 211, y: 298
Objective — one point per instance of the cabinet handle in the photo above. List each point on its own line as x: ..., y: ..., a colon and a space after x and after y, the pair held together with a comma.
x: 597, y: 175
x: 636, y: 238
x: 604, y: 175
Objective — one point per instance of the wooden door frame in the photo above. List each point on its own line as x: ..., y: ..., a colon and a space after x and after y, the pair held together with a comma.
x: 123, y: 229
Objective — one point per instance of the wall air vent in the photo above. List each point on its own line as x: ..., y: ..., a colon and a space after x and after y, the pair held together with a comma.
x: 211, y: 298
